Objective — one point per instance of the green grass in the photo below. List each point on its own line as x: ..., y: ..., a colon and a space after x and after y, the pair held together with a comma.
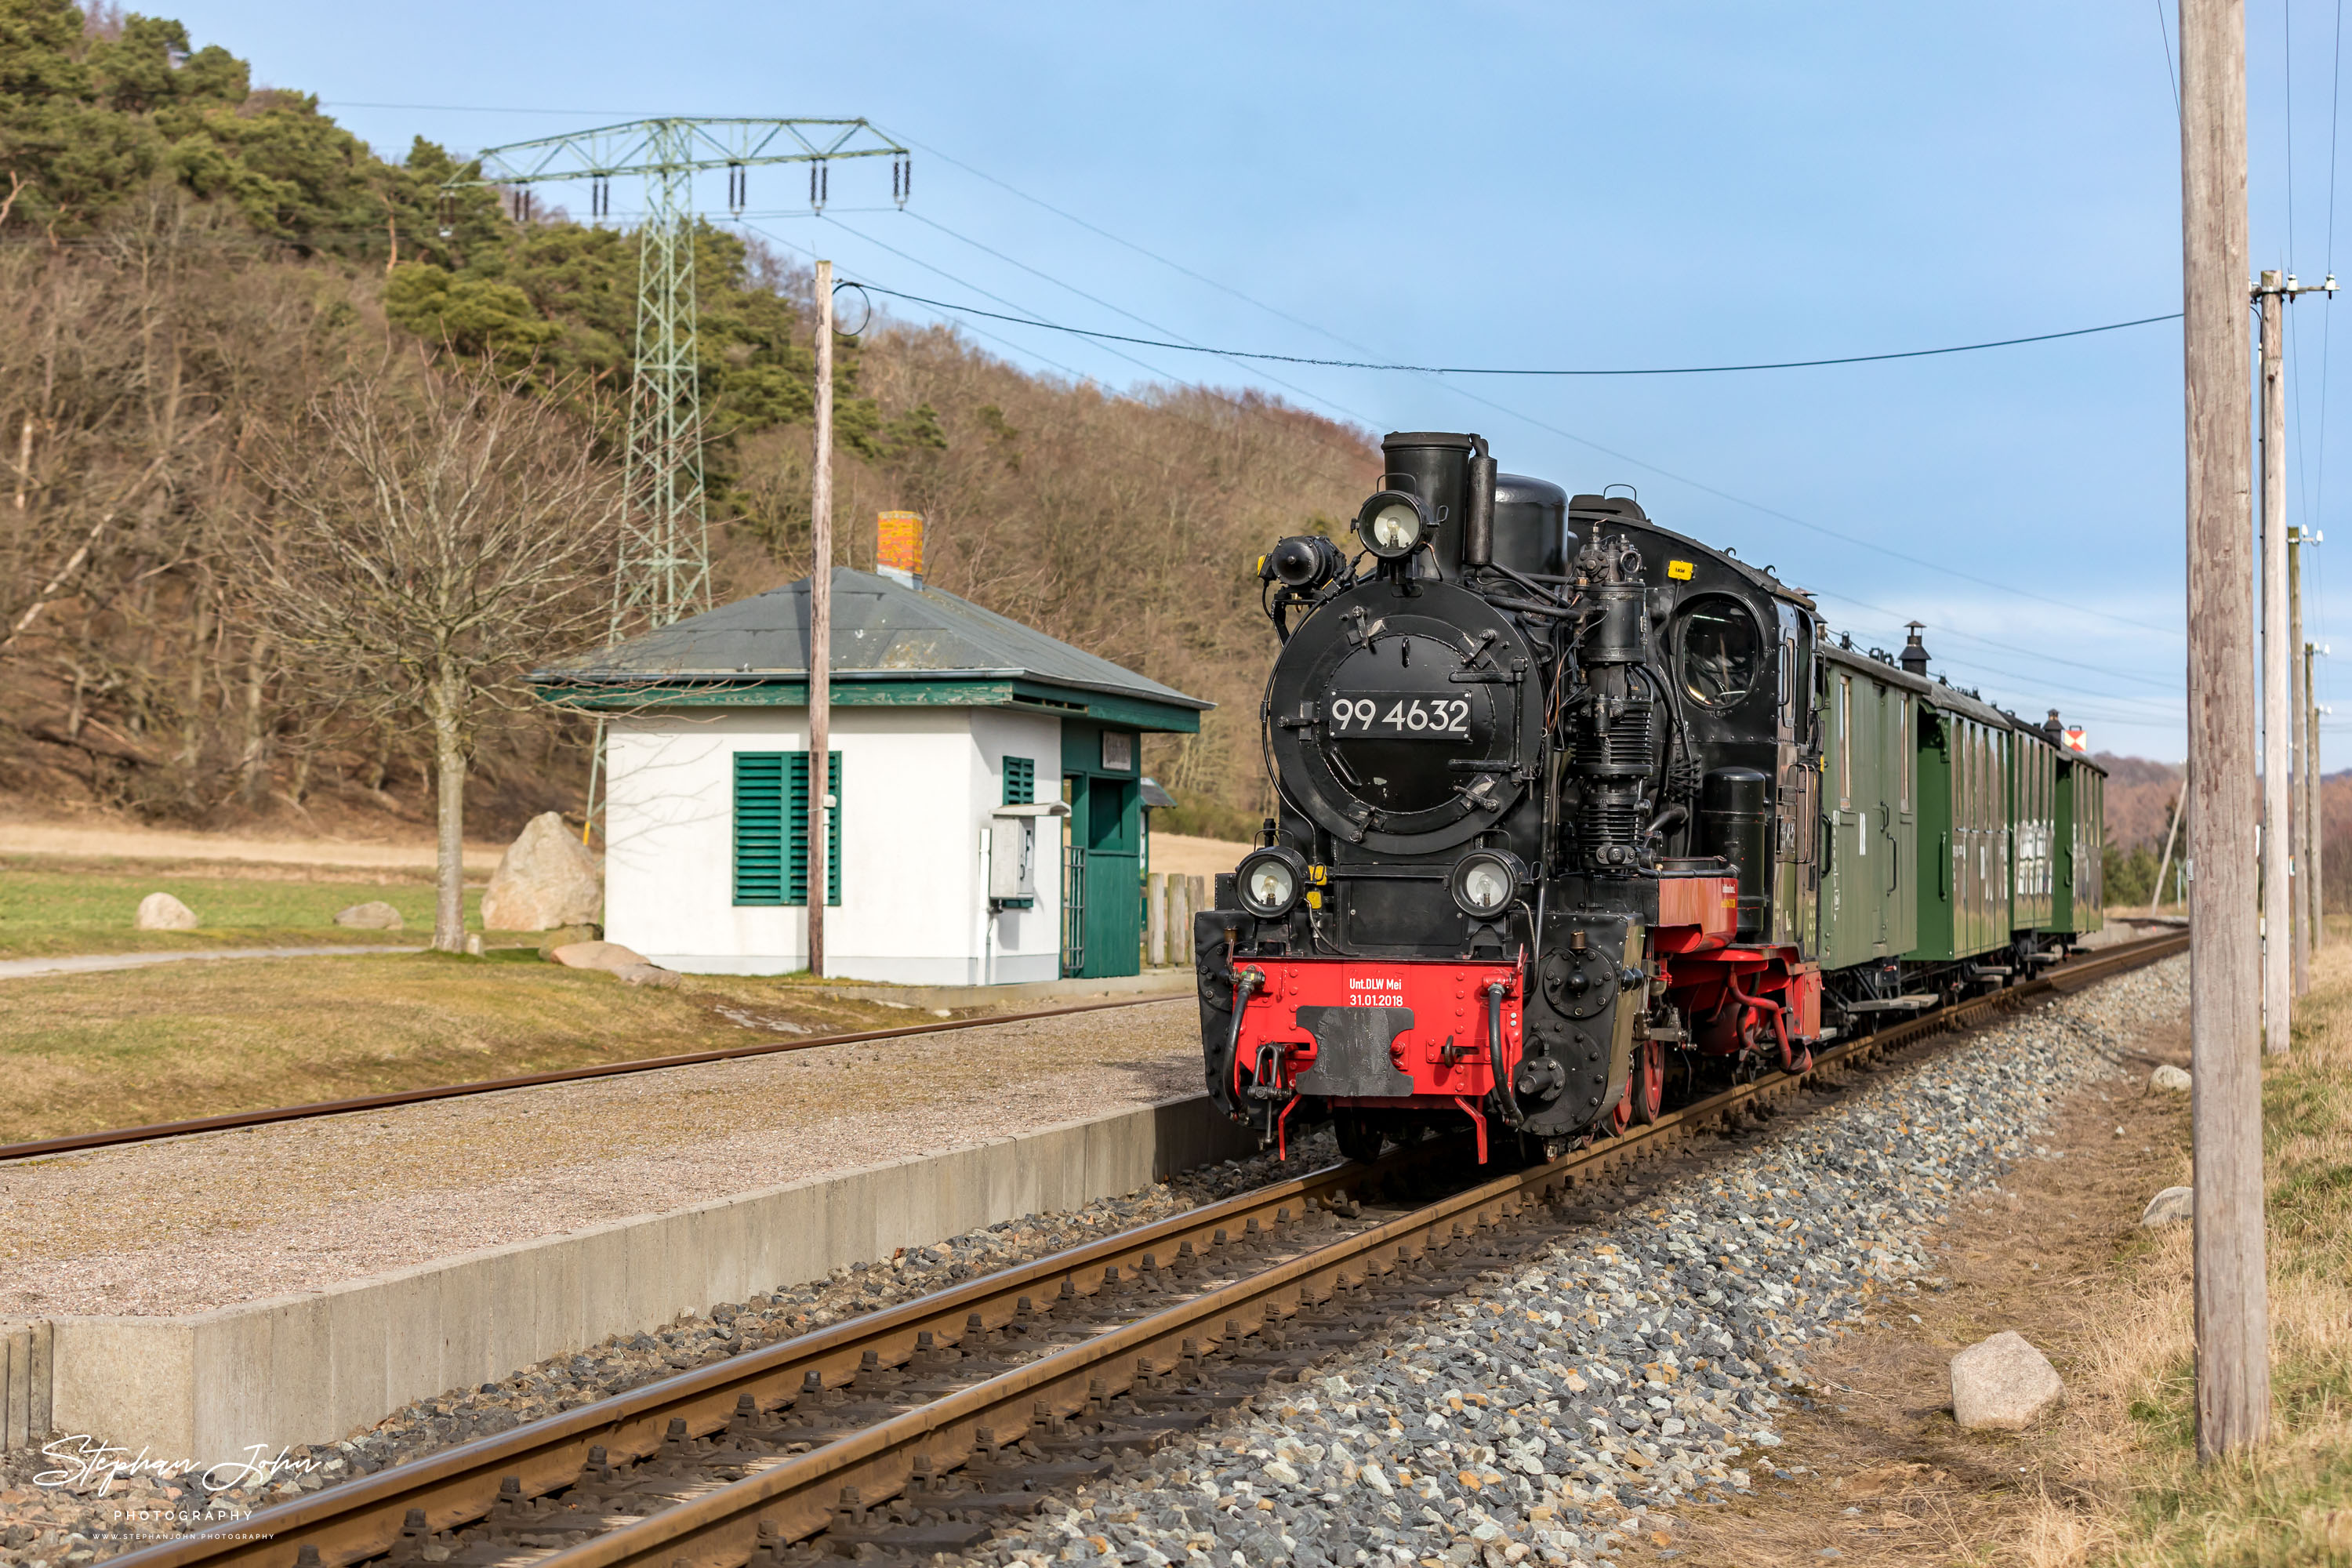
x: 49, y: 907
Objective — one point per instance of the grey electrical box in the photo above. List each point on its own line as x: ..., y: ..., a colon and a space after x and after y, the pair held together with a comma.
x: 1012, y: 851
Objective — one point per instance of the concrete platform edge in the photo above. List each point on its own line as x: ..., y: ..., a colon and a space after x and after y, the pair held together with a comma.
x: 318, y: 1366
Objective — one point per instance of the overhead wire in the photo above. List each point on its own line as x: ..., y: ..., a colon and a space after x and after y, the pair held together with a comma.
x: 2293, y: 323
x: 1048, y: 277
x: 1993, y: 583
x: 2171, y: 80
x: 1718, y: 493
x: 1522, y: 371
x: 1225, y: 288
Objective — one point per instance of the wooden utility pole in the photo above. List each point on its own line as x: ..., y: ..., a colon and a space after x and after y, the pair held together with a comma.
x: 2278, y: 705
x: 819, y: 671
x: 2156, y: 899
x: 2299, y: 812
x: 2233, y: 1392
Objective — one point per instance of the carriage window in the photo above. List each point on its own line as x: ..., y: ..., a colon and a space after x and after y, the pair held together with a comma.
x: 1967, y: 816
x: 1845, y: 742
x: 1719, y: 651
x: 1903, y: 749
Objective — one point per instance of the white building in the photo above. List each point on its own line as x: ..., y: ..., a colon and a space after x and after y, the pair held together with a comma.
x: 987, y: 822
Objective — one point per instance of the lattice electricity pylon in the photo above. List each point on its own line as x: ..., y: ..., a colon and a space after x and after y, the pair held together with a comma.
x: 664, y: 570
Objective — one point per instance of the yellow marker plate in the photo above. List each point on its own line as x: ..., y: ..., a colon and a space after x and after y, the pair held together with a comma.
x: 1680, y: 571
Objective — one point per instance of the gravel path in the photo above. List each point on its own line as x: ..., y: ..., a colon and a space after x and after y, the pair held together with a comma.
x: 208, y: 1221
x: 126, y: 841
x: 1560, y: 1413
x: 87, y: 963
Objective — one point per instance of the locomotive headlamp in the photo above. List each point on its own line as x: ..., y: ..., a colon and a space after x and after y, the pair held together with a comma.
x: 1269, y: 881
x: 1485, y: 882
x: 1392, y: 524
x: 1304, y: 562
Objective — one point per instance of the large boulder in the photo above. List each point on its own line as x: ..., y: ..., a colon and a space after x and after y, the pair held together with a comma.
x: 2171, y: 1078
x: 613, y: 958
x: 546, y: 879
x: 161, y: 911
x: 2002, y: 1383
x: 2169, y: 1208
x: 373, y: 915
x: 608, y: 956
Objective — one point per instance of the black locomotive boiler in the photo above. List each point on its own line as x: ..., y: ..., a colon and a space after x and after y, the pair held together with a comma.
x: 1553, y: 847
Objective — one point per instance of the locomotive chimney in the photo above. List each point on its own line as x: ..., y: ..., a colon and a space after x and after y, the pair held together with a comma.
x: 1914, y: 654
x: 1435, y: 466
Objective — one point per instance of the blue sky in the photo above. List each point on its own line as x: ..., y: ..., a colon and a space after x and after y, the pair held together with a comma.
x: 1558, y: 184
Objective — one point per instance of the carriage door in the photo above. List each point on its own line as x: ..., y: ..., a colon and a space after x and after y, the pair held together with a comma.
x: 1796, y: 792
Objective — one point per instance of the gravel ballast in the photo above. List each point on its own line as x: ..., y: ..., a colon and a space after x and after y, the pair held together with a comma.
x: 1623, y: 1373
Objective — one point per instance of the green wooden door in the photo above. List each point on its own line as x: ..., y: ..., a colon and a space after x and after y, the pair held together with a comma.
x: 1114, y: 845
x: 1103, y: 868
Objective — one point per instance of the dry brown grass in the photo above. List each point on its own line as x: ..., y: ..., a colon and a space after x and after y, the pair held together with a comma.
x: 2125, y: 1487
x: 87, y: 1051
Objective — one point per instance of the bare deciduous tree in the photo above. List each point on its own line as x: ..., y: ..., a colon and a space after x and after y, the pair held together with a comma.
x: 431, y: 537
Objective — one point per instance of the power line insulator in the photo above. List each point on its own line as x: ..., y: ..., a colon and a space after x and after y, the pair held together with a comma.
x: 739, y: 183
x: 599, y: 197
x: 902, y: 180
x: 448, y: 215
x: 819, y: 186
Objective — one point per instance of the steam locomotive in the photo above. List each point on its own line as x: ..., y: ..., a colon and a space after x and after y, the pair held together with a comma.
x: 1579, y: 817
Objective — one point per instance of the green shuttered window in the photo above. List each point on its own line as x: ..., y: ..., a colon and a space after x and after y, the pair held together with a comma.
x: 772, y: 797
x: 1020, y: 781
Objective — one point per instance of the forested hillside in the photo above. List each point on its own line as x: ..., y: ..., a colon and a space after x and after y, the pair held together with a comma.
x: 190, y: 263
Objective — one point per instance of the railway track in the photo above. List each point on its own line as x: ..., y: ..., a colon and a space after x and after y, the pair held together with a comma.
x: 113, y: 1137
x: 919, y: 1428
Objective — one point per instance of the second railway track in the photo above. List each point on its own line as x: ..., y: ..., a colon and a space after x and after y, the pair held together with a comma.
x: 115, y: 1137
x: 918, y: 1429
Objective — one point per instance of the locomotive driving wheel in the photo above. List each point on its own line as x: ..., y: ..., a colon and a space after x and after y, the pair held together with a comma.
x: 1358, y: 1138
x: 1645, y: 1086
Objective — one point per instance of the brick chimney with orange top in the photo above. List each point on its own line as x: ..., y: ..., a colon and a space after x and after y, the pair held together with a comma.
x: 899, y: 546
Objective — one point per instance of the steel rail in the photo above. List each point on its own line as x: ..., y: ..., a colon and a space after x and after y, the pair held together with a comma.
x: 363, y: 1517
x: 113, y: 1137
x: 796, y: 1497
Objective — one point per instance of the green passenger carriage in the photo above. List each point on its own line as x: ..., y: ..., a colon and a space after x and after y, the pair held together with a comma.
x: 1959, y: 844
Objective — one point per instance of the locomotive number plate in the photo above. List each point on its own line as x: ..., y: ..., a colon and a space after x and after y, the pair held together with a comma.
x: 1400, y: 716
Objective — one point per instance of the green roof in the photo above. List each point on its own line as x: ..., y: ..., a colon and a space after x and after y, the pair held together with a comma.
x: 893, y: 644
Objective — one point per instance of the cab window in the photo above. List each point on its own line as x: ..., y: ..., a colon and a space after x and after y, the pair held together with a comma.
x: 1717, y: 651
